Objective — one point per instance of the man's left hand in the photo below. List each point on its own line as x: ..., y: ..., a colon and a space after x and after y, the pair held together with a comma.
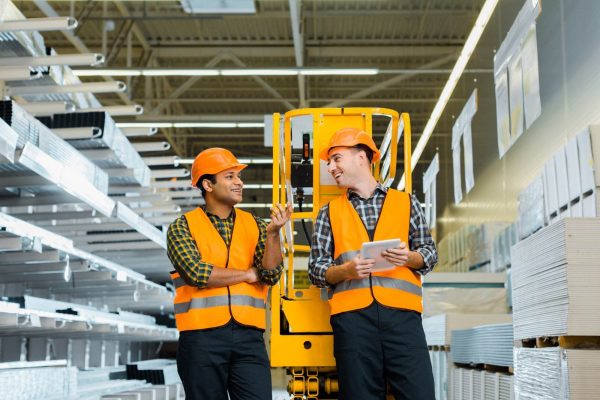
x: 279, y: 216
x: 397, y: 255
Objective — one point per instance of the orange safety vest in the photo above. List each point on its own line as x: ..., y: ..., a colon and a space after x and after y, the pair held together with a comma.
x: 396, y: 288
x: 203, y: 308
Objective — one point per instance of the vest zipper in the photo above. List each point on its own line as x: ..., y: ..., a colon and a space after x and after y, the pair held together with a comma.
x: 227, y: 266
x: 371, y: 237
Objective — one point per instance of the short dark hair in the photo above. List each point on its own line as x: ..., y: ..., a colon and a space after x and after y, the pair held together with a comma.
x: 211, y: 177
x: 366, y: 149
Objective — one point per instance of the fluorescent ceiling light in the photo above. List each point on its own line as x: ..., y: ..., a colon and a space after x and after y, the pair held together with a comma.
x: 482, y: 20
x: 241, y: 160
x: 255, y: 72
x: 144, y: 124
x: 179, y: 72
x: 224, y: 72
x: 190, y: 125
x: 256, y: 160
x: 251, y: 125
x: 107, y: 72
x: 258, y: 186
x: 204, y: 125
x: 338, y: 71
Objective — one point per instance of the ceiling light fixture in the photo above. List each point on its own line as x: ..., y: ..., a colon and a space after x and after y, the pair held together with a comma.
x: 482, y: 20
x: 217, y: 125
x: 224, y: 72
x: 182, y: 161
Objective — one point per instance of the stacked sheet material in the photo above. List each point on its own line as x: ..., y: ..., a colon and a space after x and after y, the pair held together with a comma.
x: 556, y: 373
x: 107, y: 147
x: 503, y: 241
x: 464, y: 300
x: 49, y: 380
x: 479, y: 248
x: 474, y: 384
x: 531, y: 208
x: 440, y: 365
x: 571, y: 178
x: 487, y: 344
x: 438, y: 329
x: 556, y: 280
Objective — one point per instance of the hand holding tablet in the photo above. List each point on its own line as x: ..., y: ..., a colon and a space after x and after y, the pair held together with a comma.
x: 375, y: 251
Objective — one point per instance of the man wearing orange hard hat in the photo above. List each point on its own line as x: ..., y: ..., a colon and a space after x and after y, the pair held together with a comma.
x: 375, y: 309
x: 224, y: 259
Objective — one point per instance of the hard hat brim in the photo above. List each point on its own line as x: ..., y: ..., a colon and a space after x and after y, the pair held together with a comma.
x: 324, y: 155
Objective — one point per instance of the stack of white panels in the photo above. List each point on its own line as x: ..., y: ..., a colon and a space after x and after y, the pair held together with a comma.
x: 502, y: 244
x: 556, y: 373
x: 531, y: 208
x: 438, y: 329
x: 556, y: 280
x: 488, y: 344
x: 440, y: 366
x: 571, y: 178
x: 471, y: 384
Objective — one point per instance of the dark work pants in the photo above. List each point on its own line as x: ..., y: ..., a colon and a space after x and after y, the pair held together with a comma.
x: 231, y: 359
x: 378, y: 346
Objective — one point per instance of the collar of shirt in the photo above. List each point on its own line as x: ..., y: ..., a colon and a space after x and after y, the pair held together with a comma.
x: 378, y: 189
x: 231, y: 215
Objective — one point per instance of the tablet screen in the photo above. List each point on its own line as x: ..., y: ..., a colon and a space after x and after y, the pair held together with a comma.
x: 374, y: 250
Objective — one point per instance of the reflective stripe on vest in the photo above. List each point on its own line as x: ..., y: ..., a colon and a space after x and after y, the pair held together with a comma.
x: 217, y: 301
x: 397, y: 288
x: 203, y: 308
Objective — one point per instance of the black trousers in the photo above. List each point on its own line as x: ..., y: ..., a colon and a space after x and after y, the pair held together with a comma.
x: 377, y: 346
x: 230, y: 359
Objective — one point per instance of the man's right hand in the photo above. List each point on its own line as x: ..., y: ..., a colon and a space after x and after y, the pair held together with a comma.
x: 360, y: 268
x: 252, y: 275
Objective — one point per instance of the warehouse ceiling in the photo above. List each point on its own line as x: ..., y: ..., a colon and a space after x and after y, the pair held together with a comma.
x: 417, y: 36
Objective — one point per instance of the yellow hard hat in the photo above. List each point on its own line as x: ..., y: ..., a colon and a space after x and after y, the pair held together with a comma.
x: 350, y: 137
x: 212, y: 161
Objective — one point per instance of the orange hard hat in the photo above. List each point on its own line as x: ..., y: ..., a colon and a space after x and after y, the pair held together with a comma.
x: 212, y: 161
x: 350, y: 137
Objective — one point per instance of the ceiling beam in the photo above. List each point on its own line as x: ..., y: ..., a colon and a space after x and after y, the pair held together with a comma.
x: 297, y: 34
x: 392, y: 81
x: 267, y: 51
x: 262, y: 83
x: 175, y: 95
x: 145, y: 14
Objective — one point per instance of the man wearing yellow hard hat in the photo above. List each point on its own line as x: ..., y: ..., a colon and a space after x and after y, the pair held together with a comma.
x: 224, y: 260
x: 375, y: 314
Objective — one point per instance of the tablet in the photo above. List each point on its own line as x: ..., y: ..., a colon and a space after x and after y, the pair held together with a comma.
x: 374, y: 250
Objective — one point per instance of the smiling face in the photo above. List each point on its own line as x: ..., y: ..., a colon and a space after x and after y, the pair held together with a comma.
x: 347, y: 166
x: 228, y: 187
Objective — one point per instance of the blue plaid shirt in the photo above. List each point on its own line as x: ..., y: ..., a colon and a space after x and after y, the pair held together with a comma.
x: 321, y: 253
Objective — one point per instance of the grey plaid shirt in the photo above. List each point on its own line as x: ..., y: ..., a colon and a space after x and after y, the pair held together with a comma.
x: 321, y: 252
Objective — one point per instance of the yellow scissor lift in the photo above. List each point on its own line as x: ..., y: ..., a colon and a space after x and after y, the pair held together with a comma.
x: 301, y: 339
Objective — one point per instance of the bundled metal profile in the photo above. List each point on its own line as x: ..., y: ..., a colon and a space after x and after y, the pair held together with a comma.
x: 158, y: 371
x: 115, y: 149
x: 33, y: 132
